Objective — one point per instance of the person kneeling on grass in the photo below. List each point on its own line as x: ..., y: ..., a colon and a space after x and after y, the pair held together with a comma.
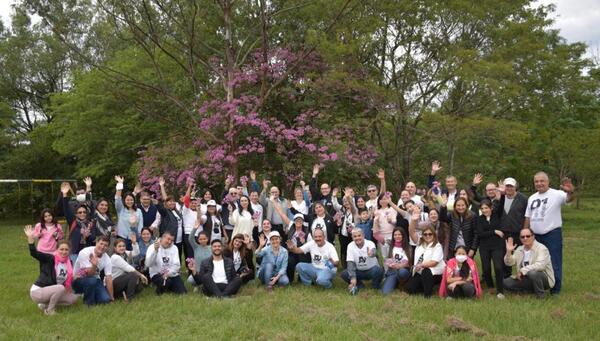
x: 273, y: 269
x: 218, y: 274
x: 362, y: 263
x: 162, y: 259
x: 324, y: 260
x: 126, y: 278
x: 90, y: 262
x: 199, y: 241
x: 534, y: 266
x: 460, y: 279
x: 397, y: 261
x: 53, y: 286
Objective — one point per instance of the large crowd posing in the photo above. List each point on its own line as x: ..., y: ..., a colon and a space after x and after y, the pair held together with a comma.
x: 429, y: 238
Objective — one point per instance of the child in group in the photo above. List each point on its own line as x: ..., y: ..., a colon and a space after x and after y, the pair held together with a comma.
x: 460, y: 278
x: 365, y: 223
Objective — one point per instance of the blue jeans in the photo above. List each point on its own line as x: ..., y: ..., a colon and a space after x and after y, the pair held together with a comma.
x: 308, y: 273
x: 375, y: 274
x: 266, y: 271
x: 554, y: 242
x: 73, y: 257
x: 392, y: 278
x: 93, y: 290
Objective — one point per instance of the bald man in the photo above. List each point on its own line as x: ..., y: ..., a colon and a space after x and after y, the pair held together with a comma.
x: 543, y: 217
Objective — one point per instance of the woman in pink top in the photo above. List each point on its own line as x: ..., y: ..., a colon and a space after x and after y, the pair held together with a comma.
x: 48, y: 232
x: 384, y: 222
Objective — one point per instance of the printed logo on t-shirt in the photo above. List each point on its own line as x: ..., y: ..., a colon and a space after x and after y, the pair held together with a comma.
x: 539, y: 213
x: 398, y: 257
x: 317, y: 258
x: 319, y: 226
x: 362, y: 259
x: 62, y: 273
x: 166, y: 260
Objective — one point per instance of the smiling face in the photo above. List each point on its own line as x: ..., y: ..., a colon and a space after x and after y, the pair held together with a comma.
x: 451, y: 183
x: 216, y: 248
x: 298, y: 194
x: 527, y: 238
x: 319, y: 210
x: 319, y: 237
x: 170, y: 204
x: 244, y: 202
x: 254, y: 197
x: 146, y: 236
x: 404, y: 196
x: 166, y: 240
x: 460, y: 206
x: 202, y: 239
x: 490, y: 190
x: 48, y: 217
x: 101, y: 247
x: 486, y: 210
x: 463, y: 194
x: 411, y: 188
x: 81, y: 213
x: 145, y: 199
x: 237, y: 243
x: 130, y: 202
x: 360, y: 203
x: 266, y: 226
x: 325, y: 189
x: 63, y: 249
x: 397, y: 236
x: 434, y: 216
x: 102, y: 207
x: 275, y: 242
x: 358, y: 237
x: 120, y: 248
x: 428, y: 235
x: 207, y: 196
x: 541, y: 182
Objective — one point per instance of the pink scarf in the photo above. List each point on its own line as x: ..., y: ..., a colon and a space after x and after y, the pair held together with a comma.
x: 450, y: 266
x: 58, y: 259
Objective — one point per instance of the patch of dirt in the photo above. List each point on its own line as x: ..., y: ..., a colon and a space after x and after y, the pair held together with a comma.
x: 459, y: 325
x: 591, y: 296
x: 558, y: 314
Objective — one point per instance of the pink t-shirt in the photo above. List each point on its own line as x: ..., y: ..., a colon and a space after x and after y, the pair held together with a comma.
x: 383, y: 216
x: 48, y: 238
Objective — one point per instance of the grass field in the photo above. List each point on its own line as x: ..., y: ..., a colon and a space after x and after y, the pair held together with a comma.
x: 311, y: 313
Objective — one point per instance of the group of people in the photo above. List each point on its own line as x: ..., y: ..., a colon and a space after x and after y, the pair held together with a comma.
x: 427, y: 238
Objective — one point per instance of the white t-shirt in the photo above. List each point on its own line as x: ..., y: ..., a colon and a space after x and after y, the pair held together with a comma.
x: 371, y: 204
x: 319, y: 223
x: 83, y: 262
x: 526, y: 257
x: 237, y: 260
x: 215, y: 229
x: 417, y: 200
x: 218, y: 274
x: 360, y: 256
x: 543, y: 210
x: 189, y: 219
x: 320, y: 255
x: 258, y: 209
x: 507, y: 204
x: 179, y: 237
x: 398, y: 255
x: 429, y: 252
x: 300, y: 207
x: 347, y: 224
x: 450, y: 202
x: 61, y: 273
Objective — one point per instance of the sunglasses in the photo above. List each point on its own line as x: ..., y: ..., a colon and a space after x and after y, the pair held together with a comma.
x: 526, y: 236
x: 427, y: 234
x: 371, y: 190
x: 81, y: 212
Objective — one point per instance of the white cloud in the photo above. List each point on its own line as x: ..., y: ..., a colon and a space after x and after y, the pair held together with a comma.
x: 577, y: 20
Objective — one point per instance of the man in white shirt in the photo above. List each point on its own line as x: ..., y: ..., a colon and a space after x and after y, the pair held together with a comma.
x: 324, y: 258
x: 162, y: 260
x: 543, y: 216
x: 218, y: 274
x: 362, y: 263
x: 90, y: 262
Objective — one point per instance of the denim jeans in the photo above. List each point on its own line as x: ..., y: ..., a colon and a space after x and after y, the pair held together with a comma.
x: 309, y: 273
x: 375, y: 274
x: 93, y: 290
x: 392, y: 278
x: 267, y: 271
x: 554, y: 242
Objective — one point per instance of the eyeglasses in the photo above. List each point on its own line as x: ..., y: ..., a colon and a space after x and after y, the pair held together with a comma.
x: 526, y: 236
x: 274, y: 192
x: 427, y: 234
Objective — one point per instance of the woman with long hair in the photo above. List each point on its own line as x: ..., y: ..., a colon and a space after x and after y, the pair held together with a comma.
x: 126, y: 278
x: 53, y: 286
x: 242, y: 218
x: 104, y: 223
x: 384, y: 222
x: 462, y: 225
x: 82, y: 228
x: 241, y: 253
x: 397, y: 261
x: 460, y: 278
x: 428, y: 260
x: 129, y: 216
x: 48, y: 232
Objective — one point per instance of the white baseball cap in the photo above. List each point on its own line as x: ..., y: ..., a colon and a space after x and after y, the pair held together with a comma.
x: 510, y: 182
x: 299, y: 216
x: 274, y: 234
x: 211, y: 203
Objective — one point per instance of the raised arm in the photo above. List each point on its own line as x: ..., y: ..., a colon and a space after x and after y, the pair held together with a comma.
x: 118, y: 194
x: 412, y: 225
x: 282, y: 214
x: 163, y: 192
x: 568, y: 187
x: 382, y: 185
x: 65, y: 187
x: 314, y: 191
x: 188, y: 195
x: 435, y: 167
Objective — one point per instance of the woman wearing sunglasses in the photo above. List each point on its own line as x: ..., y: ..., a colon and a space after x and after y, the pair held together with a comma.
x: 82, y: 228
x: 428, y: 260
x: 534, y: 268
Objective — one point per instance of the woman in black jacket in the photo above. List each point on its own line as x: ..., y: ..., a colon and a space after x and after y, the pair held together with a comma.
x: 53, y: 286
x: 104, y: 224
x: 242, y: 256
x: 318, y: 218
x: 489, y: 238
x: 82, y: 228
x: 461, y: 223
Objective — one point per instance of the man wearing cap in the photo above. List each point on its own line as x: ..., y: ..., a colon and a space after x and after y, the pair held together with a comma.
x: 543, y: 216
x: 362, y: 263
x: 273, y: 268
x: 218, y: 274
x: 324, y: 260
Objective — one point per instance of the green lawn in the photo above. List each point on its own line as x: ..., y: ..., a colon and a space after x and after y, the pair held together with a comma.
x: 311, y: 313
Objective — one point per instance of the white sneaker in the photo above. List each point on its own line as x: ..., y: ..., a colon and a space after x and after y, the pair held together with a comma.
x: 448, y: 298
x: 500, y: 296
x: 42, y: 306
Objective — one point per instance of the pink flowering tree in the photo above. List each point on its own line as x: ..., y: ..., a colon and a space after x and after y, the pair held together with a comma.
x: 283, y: 135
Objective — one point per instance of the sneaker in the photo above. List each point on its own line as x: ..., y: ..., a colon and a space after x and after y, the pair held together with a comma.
x: 42, y: 306
x: 354, y: 291
x: 448, y: 298
x: 269, y: 289
x: 500, y: 296
x: 49, y: 313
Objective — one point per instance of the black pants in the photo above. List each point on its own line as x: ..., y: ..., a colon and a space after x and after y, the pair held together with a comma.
x: 172, y: 284
x: 126, y: 283
x: 534, y: 281
x: 210, y: 288
x: 344, y: 242
x: 495, y: 256
x: 294, y: 259
x: 462, y: 290
x: 422, y: 282
x: 188, y: 251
